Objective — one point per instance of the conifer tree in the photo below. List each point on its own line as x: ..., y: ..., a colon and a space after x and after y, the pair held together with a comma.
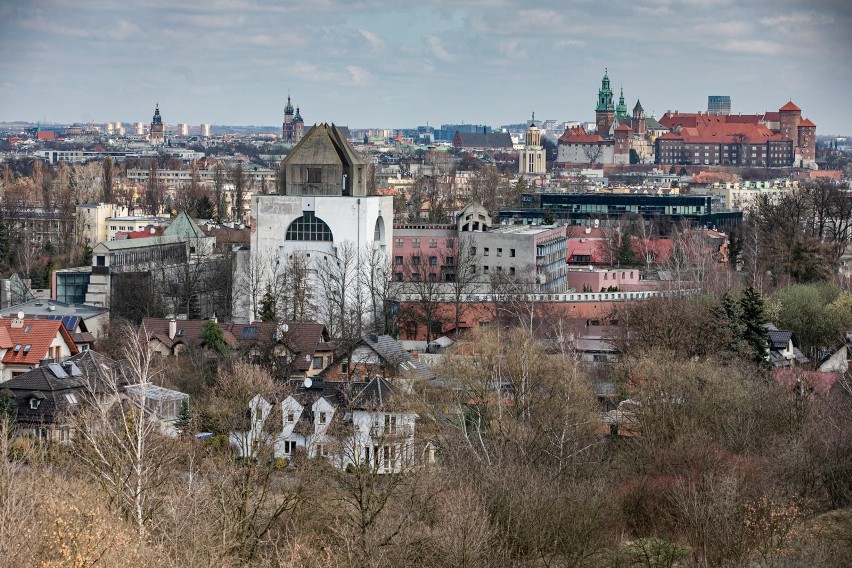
x: 751, y: 305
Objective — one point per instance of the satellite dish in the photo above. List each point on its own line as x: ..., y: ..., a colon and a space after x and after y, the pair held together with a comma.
x: 308, y: 382
x: 284, y: 328
x: 20, y: 315
x: 308, y: 357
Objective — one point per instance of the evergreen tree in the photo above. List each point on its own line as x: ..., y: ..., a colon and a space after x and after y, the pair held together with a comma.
x: 267, y: 311
x: 625, y: 256
x: 213, y: 338
x: 752, y: 318
x: 184, y: 416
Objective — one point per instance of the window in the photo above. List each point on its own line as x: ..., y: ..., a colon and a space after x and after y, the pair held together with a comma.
x: 308, y: 227
x: 433, y: 277
x: 485, y: 251
x: 485, y: 269
x: 323, y: 417
x: 397, y: 276
x: 449, y: 261
x: 34, y: 402
x: 258, y: 414
x: 344, y: 367
x: 472, y: 251
x: 397, y: 260
x: 415, y: 277
x: 511, y: 271
x: 512, y: 253
x: 499, y: 252
x: 433, y: 243
x: 415, y: 260
x: 433, y: 261
x: 415, y: 243
x: 318, y: 363
x: 390, y: 424
x: 398, y: 242
x: 71, y: 398
x: 451, y: 243
x: 289, y: 447
x: 291, y: 417
x: 314, y: 175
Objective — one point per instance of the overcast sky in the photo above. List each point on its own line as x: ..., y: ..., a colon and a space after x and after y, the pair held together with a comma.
x: 398, y: 63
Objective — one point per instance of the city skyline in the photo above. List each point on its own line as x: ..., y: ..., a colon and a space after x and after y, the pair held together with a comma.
x: 373, y: 63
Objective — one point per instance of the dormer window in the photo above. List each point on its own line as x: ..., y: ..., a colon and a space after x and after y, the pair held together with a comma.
x: 323, y: 417
x: 291, y: 417
x: 27, y: 348
x: 17, y: 349
x: 34, y: 402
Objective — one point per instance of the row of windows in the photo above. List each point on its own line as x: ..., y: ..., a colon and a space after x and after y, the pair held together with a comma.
x: 486, y: 251
x: 415, y: 243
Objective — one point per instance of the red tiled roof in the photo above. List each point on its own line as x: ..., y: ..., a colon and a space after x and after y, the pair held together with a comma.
x: 820, y: 382
x: 5, y: 340
x: 807, y: 122
x: 623, y: 127
x: 578, y: 135
x: 716, y: 132
x: 790, y: 106
x: 36, y: 333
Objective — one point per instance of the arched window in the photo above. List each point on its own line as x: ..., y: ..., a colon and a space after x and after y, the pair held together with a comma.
x: 379, y: 231
x: 308, y: 227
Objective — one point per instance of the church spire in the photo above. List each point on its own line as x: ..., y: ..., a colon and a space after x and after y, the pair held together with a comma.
x: 621, y: 109
x: 605, y: 94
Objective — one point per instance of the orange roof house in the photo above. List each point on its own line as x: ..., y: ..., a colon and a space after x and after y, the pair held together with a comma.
x: 26, y: 343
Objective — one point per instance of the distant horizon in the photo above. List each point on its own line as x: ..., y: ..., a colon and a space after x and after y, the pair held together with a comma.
x: 380, y: 62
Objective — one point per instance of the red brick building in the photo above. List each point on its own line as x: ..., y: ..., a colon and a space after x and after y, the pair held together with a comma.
x: 769, y: 140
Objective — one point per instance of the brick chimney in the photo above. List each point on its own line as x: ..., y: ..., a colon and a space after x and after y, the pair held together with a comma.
x: 172, y: 328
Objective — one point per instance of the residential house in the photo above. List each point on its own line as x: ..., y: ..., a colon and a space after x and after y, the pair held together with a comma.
x: 300, y: 349
x: 361, y: 423
x: 25, y: 342
x: 46, y: 397
x: 784, y: 347
x: 85, y: 323
x: 375, y: 356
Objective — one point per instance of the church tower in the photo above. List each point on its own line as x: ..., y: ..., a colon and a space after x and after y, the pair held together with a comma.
x: 621, y: 109
x: 157, y: 132
x: 640, y: 126
x: 532, y: 159
x: 605, y: 111
x: 288, y: 128
x: 298, y: 126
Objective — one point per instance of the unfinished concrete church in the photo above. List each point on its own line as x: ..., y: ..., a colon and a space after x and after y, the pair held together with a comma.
x: 322, y: 203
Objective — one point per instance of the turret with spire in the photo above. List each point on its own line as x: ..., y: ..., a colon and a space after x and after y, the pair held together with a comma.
x: 621, y: 109
x: 291, y: 130
x: 605, y: 111
x: 157, y: 132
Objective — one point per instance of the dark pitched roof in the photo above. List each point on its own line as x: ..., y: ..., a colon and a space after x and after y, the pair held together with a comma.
x: 393, y: 354
x: 779, y: 339
x: 484, y: 140
x: 57, y: 388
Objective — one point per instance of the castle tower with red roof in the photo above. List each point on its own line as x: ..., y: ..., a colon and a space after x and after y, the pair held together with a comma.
x: 622, y: 136
x: 807, y: 141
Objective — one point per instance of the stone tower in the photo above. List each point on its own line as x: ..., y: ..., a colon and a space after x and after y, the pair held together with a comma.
x: 532, y: 159
x: 605, y: 111
x: 157, y: 132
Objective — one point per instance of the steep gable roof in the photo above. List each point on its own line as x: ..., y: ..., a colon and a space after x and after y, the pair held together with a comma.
x: 790, y: 106
x: 38, y: 334
x: 184, y: 226
x: 323, y: 144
